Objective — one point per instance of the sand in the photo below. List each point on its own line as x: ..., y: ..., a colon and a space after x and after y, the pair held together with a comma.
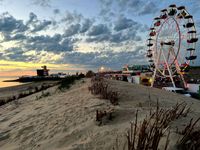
x: 66, y: 120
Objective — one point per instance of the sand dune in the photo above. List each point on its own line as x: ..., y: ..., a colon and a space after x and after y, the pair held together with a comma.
x: 66, y: 120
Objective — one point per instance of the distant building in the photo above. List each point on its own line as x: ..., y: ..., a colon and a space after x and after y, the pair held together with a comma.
x: 135, y: 68
x: 59, y: 75
x: 43, y: 72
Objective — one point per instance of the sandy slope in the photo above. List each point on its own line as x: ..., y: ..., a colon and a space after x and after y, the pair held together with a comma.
x: 66, y: 120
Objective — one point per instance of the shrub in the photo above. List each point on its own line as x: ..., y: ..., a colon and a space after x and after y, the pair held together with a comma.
x: 66, y: 82
x: 191, y: 136
x: 104, y: 114
x: 100, y: 87
x: 90, y: 74
x: 44, y: 94
x: 147, y: 135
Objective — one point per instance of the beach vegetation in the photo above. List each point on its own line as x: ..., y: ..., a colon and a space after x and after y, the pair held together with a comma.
x: 100, y: 87
x: 68, y: 81
x: 44, y: 94
x: 190, y: 136
x: 90, y: 74
x: 147, y: 134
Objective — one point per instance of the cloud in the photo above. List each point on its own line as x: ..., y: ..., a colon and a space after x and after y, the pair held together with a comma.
x: 72, y: 30
x: 47, y: 43
x: 32, y: 18
x: 87, y: 23
x: 149, y: 8
x: 13, y: 37
x: 56, y: 11
x: 111, y: 59
x: 37, y: 25
x: 124, y: 23
x: 8, y: 24
x: 1, y: 2
x: 14, y: 53
x: 41, y: 25
x: 76, y: 23
x: 107, y: 58
x: 137, y: 7
x: 115, y: 37
x: 99, y: 38
x: 135, y: 4
x: 15, y: 30
x: 42, y: 3
x: 120, y: 34
x: 124, y: 30
x: 105, y: 6
x: 70, y: 18
x: 22, y: 55
x: 98, y: 29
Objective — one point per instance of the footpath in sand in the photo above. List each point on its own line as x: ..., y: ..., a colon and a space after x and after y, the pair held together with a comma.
x: 66, y: 120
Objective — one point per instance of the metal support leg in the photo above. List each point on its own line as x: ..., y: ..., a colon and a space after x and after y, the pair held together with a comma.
x: 170, y: 74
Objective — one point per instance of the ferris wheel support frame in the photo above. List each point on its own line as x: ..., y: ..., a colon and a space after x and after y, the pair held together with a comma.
x: 168, y: 68
x: 178, y: 69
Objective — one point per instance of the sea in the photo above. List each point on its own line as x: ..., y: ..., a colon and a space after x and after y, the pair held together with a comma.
x: 8, y: 84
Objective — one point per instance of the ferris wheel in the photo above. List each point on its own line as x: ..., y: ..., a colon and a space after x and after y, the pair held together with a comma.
x: 171, y: 44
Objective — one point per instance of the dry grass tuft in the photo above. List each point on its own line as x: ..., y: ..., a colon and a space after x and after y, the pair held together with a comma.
x: 147, y: 135
x: 191, y: 137
x: 100, y: 87
x: 104, y: 115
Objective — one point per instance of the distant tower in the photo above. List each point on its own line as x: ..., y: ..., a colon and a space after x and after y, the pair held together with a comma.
x: 43, y: 72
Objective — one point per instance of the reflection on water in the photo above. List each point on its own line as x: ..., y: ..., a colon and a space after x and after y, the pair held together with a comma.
x: 7, y: 84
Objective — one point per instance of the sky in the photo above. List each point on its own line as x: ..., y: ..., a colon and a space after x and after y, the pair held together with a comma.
x: 78, y: 35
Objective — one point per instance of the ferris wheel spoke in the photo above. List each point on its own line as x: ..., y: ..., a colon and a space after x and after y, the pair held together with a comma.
x: 169, y: 70
x: 177, y: 63
x: 181, y: 24
x: 176, y: 39
x: 171, y: 33
x: 176, y: 34
x: 180, y: 55
x: 184, y: 36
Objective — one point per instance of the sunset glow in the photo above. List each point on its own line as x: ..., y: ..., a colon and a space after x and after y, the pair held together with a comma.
x: 13, y: 68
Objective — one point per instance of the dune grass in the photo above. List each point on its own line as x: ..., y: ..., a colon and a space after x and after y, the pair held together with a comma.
x: 190, y: 139
x: 25, y: 93
x: 67, y: 82
x: 147, y: 134
x: 100, y: 87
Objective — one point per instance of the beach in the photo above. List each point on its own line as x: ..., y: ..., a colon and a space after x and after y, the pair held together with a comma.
x: 65, y: 120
